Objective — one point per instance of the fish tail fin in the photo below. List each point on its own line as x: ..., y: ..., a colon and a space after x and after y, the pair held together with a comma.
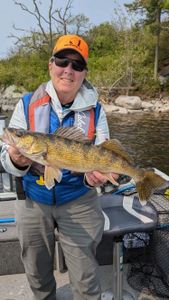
x: 150, y: 181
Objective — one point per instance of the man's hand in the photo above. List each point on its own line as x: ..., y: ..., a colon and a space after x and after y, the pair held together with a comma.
x: 17, y: 158
x: 96, y: 178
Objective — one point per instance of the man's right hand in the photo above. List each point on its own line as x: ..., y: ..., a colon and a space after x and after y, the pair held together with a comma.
x: 17, y: 158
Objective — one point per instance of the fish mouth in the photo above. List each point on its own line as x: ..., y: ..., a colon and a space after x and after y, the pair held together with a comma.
x: 10, y: 136
x: 7, y: 137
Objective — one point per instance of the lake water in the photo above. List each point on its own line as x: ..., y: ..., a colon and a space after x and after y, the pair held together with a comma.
x: 145, y: 136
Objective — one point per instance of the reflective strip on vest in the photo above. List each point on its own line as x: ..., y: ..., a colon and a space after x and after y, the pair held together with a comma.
x: 37, y: 109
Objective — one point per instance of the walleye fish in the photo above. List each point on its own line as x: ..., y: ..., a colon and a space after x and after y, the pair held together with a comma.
x: 68, y: 148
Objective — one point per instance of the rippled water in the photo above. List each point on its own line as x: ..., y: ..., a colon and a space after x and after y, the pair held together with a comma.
x: 145, y: 137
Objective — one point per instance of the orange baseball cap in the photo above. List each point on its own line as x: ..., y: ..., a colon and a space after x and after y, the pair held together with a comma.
x: 73, y: 42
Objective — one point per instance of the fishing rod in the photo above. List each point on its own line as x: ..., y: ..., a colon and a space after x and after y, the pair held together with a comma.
x: 124, y: 188
x: 7, y: 220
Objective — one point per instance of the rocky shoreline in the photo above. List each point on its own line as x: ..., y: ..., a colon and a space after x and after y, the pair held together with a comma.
x: 121, y: 105
x: 134, y: 104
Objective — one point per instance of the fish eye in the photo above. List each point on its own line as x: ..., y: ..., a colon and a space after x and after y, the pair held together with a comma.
x: 19, y: 133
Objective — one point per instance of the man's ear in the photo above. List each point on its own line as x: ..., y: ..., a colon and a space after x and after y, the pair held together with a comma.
x: 50, y: 65
x: 51, y: 60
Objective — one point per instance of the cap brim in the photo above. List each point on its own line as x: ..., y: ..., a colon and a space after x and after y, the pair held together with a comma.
x: 72, y: 49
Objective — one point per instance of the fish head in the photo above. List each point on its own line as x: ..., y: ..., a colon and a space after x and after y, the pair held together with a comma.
x: 27, y: 142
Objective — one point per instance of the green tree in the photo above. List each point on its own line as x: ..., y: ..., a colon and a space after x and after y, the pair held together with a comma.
x: 103, y: 39
x: 153, y: 10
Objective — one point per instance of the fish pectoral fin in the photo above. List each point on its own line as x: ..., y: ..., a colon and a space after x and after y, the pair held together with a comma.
x: 50, y: 176
x: 111, y: 179
x: 115, y: 146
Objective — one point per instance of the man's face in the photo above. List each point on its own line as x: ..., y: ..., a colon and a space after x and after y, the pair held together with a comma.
x: 66, y: 80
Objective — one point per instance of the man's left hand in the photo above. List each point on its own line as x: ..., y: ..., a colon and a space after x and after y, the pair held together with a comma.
x: 96, y: 178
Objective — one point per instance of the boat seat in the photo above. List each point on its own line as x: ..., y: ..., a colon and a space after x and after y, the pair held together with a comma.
x: 123, y: 214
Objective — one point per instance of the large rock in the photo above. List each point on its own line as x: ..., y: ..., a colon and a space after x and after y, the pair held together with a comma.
x: 129, y: 102
x: 13, y: 91
x: 147, y: 105
x: 109, y: 108
x: 10, y: 96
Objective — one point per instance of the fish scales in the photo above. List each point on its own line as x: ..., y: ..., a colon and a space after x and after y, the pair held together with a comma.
x: 80, y: 157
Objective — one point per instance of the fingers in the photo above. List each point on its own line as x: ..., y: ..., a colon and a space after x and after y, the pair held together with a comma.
x: 96, y: 178
x: 18, y: 158
x: 115, y: 175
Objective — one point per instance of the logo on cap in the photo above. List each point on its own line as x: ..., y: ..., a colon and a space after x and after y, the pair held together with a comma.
x: 74, y: 42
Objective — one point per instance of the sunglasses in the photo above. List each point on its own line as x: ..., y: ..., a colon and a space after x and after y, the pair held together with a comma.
x: 63, y: 62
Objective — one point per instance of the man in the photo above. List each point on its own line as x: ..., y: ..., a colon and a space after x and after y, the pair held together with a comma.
x: 71, y: 205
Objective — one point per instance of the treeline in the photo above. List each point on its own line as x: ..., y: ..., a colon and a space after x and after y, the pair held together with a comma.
x: 115, y: 50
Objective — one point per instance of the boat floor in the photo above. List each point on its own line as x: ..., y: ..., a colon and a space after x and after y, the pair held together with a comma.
x: 15, y: 287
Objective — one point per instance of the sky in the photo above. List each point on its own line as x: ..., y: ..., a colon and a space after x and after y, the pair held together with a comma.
x: 98, y: 11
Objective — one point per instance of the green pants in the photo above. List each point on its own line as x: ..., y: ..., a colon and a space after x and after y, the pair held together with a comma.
x: 80, y: 224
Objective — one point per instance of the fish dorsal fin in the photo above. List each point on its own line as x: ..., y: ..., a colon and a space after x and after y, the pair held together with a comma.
x: 116, y: 147
x: 71, y: 133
